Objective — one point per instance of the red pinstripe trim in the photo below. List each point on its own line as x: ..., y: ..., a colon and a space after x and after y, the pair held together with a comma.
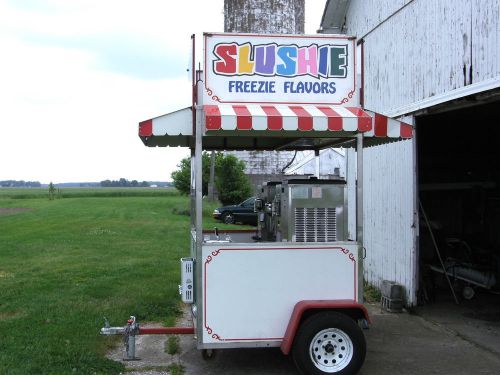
x: 274, y: 118
x: 305, y: 120
x: 380, y: 125
x: 146, y: 128
x: 243, y: 117
x: 406, y: 130
x: 364, y: 119
x: 212, y: 117
x: 334, y: 119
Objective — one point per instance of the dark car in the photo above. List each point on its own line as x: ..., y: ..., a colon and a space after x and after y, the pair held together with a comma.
x: 240, y: 213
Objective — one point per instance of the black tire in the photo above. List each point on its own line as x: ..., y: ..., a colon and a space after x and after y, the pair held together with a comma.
x: 228, y: 218
x: 329, y: 342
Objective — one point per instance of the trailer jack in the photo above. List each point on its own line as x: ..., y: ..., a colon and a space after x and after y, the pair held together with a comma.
x: 132, y: 329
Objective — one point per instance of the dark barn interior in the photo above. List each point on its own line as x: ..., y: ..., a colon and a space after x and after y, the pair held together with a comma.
x: 459, y: 178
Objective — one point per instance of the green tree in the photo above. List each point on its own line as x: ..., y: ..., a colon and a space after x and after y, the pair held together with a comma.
x: 182, y: 176
x: 231, y: 182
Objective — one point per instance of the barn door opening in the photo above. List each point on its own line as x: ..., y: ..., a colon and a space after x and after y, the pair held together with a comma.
x: 459, y: 187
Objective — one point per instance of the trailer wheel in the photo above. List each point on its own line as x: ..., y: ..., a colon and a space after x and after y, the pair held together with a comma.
x: 329, y: 342
x: 228, y: 218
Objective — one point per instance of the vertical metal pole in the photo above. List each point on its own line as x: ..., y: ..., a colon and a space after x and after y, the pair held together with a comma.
x: 198, y: 184
x: 198, y: 180
x: 194, y: 100
x: 192, y: 190
x: 131, y: 347
x: 359, y: 213
x: 316, y: 157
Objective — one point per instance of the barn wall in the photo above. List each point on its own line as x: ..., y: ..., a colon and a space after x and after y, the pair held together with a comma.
x: 390, y: 216
x: 485, y: 40
x: 365, y: 15
x: 421, y: 49
x: 427, y: 54
x: 413, y: 50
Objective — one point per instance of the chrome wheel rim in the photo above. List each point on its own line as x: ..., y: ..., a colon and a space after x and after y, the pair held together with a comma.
x: 331, y: 350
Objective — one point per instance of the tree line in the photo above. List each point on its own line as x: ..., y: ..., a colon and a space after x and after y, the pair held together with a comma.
x: 20, y: 183
x: 231, y: 183
x: 123, y: 182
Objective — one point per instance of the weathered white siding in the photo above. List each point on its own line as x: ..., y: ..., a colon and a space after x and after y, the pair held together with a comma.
x: 330, y: 162
x: 485, y: 39
x: 424, y: 49
x: 413, y: 50
x: 365, y: 15
x: 418, y: 53
x: 259, y: 162
x: 390, y: 216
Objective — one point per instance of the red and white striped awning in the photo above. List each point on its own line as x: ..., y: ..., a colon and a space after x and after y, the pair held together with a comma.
x: 254, y: 126
x: 303, y: 118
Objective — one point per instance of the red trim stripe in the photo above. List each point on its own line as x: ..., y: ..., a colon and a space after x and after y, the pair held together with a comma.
x: 274, y: 118
x: 334, y: 119
x: 212, y: 117
x: 406, y: 130
x: 380, y: 129
x: 364, y: 119
x: 243, y: 117
x: 146, y: 128
x: 305, y: 120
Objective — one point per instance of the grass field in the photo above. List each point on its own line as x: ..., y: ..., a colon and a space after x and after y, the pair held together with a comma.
x: 66, y: 263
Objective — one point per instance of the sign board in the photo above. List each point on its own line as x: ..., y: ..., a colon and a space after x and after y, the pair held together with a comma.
x: 245, y: 68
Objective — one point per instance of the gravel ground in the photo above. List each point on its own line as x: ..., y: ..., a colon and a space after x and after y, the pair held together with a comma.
x: 397, y: 344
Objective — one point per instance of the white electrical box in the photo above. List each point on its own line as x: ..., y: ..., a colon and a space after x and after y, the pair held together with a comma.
x: 186, y: 288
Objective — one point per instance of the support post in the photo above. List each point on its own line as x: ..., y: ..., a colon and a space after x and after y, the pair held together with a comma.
x: 199, y: 219
x: 318, y: 166
x: 359, y: 213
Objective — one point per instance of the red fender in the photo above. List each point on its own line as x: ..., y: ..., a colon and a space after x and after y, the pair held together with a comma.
x: 303, y: 306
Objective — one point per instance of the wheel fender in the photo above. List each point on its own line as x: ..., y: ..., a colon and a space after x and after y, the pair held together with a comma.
x: 303, y: 306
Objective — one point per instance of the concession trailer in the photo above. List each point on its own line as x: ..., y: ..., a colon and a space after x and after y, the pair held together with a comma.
x: 296, y: 281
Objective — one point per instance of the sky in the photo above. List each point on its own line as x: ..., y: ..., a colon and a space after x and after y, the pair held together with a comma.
x: 76, y: 78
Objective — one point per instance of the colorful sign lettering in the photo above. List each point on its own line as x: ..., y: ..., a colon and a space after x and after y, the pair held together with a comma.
x: 279, y: 69
x: 270, y: 60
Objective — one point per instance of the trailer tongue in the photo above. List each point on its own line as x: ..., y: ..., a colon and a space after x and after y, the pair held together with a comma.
x: 297, y: 281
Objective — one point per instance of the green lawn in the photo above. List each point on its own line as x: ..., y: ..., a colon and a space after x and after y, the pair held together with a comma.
x: 66, y: 263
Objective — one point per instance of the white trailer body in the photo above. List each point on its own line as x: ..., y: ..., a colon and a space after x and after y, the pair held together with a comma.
x: 250, y: 289
x: 302, y: 293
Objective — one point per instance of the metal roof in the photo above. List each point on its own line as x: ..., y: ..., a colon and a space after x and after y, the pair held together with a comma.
x: 333, y: 18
